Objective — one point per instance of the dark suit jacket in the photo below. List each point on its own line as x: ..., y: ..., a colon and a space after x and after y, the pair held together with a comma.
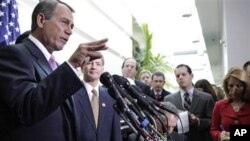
x: 32, y: 99
x: 108, y: 123
x: 144, y: 87
x: 174, y: 136
x: 163, y: 94
x: 202, y: 106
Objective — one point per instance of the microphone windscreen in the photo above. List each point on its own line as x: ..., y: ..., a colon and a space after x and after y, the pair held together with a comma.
x: 105, y: 79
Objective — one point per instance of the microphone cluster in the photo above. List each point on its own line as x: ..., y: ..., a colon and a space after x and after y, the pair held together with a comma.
x: 138, y: 110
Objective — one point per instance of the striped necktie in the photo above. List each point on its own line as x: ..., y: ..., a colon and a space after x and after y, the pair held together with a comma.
x: 187, y: 101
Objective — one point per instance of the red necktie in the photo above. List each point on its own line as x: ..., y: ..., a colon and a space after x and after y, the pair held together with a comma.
x: 158, y: 96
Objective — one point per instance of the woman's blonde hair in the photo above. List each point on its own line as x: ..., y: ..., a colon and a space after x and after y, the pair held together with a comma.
x: 238, y: 74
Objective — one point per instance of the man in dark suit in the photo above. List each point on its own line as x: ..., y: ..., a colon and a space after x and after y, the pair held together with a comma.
x: 129, y: 70
x: 105, y: 124
x: 199, y: 104
x: 157, y: 83
x: 36, y: 103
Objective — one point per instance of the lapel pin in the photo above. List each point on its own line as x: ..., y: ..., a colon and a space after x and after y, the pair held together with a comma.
x: 103, y: 105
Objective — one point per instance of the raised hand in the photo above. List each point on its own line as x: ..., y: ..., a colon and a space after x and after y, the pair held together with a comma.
x: 87, y: 52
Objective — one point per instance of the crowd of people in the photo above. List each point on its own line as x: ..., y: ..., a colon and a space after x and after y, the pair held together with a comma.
x: 43, y: 100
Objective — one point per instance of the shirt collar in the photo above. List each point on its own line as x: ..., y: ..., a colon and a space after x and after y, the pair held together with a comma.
x: 89, y: 89
x: 190, y: 92
x: 40, y: 46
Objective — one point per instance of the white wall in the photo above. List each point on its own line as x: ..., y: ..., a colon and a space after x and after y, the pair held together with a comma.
x: 237, y: 32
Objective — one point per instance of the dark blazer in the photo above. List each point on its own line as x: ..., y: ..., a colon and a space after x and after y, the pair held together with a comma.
x: 174, y: 136
x: 108, y: 123
x: 144, y: 87
x: 202, y: 106
x: 163, y: 94
x: 35, y: 104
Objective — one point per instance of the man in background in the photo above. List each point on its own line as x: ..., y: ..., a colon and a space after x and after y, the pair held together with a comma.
x: 157, y: 81
x: 170, y: 122
x: 94, y: 107
x: 198, y: 104
x: 246, y: 68
x: 129, y: 70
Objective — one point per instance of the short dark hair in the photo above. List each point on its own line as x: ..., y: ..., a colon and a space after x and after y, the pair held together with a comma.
x: 186, y: 66
x: 47, y: 7
x: 158, y: 73
x: 136, y: 65
x: 246, y: 64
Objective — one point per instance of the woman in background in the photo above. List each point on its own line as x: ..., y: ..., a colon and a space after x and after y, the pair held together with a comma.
x: 145, y: 76
x: 233, y: 110
x: 204, y: 86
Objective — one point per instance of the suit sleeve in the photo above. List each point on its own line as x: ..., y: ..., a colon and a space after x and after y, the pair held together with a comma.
x: 205, y: 120
x: 27, y: 97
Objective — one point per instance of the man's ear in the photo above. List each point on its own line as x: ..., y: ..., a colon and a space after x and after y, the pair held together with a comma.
x: 40, y: 19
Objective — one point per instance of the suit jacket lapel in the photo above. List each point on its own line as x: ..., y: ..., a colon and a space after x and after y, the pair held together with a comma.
x: 179, y: 101
x: 38, y: 56
x: 103, y: 103
x: 195, y: 101
x: 86, y: 106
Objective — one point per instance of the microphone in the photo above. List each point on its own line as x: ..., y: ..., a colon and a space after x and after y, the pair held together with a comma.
x: 108, y: 81
x: 133, y: 105
x: 134, y: 93
x: 145, y: 100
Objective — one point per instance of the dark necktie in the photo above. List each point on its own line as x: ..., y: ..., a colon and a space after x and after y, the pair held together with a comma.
x: 95, y: 105
x: 52, y: 62
x: 158, y: 96
x: 187, y: 101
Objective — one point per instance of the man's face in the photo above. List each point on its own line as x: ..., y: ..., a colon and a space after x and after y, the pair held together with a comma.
x: 172, y: 122
x: 93, y: 70
x: 248, y: 72
x: 183, y: 78
x: 158, y: 83
x: 129, y: 69
x: 56, y: 30
x: 146, y: 78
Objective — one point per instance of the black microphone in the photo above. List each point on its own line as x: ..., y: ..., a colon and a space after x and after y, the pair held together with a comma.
x: 134, y: 93
x: 133, y: 105
x: 137, y: 92
x: 108, y: 81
